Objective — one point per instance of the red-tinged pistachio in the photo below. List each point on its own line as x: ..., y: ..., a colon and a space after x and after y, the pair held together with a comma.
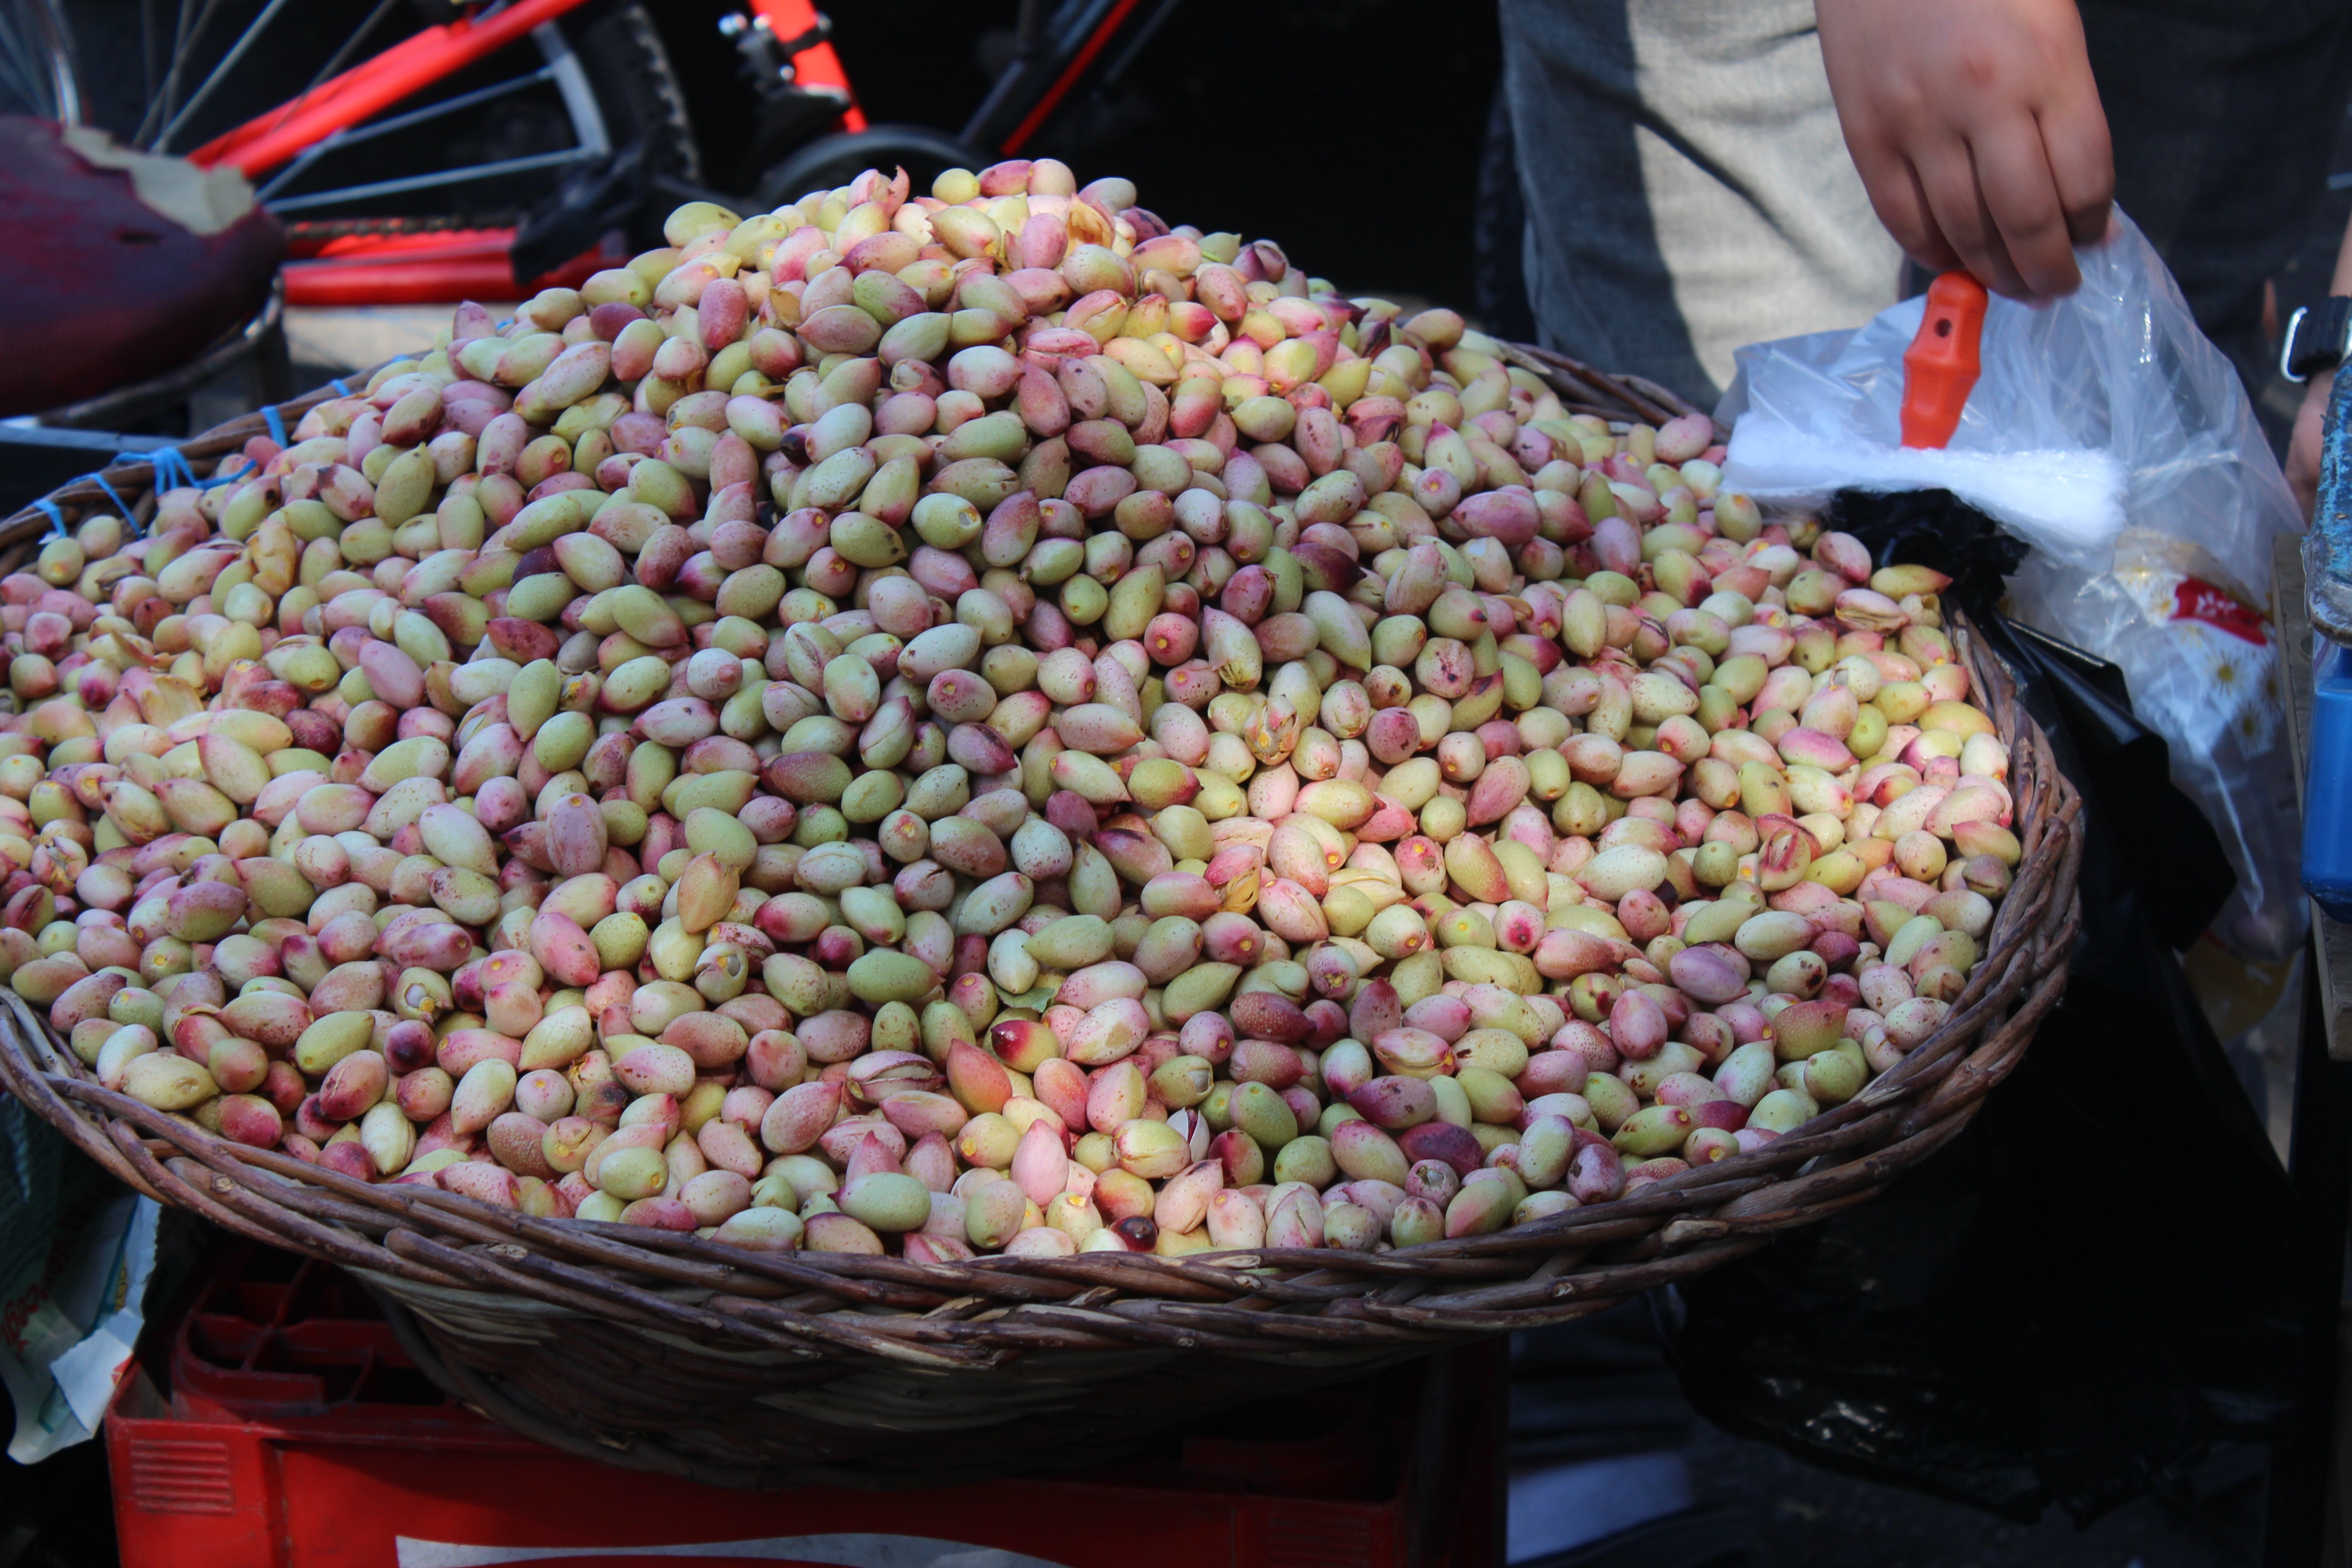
x: 1183, y: 1204
x: 1234, y: 1220
x: 1040, y: 1164
x: 1805, y: 1028
x: 885, y: 1200
x: 1691, y: 1091
x: 1478, y: 1209
x: 1023, y: 1044
x: 1395, y: 1103
x: 1293, y: 1218
x: 563, y: 948
x: 89, y: 998
x: 1637, y: 1025
x: 204, y: 911
x: 994, y: 1215
x: 978, y: 1080
x: 799, y: 1116
x: 1151, y: 1150
x: 877, y: 1076
x: 1711, y: 973
x: 1367, y: 1152
x: 352, y: 1086
x: 1979, y: 836
x: 1814, y: 748
x: 1747, y: 1075
x: 1863, y: 609
x: 835, y: 1231
x: 1107, y: 1033
x: 1970, y: 803
x: 481, y: 1095
x: 1653, y: 1131
x: 1276, y: 1065
x: 1444, y: 1143
x: 1845, y: 555
x: 252, y: 1120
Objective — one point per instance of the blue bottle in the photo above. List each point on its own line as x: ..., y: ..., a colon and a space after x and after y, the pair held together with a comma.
x: 2328, y: 787
x: 2326, y: 822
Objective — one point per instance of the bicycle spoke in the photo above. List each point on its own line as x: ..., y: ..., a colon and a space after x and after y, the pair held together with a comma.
x: 1080, y: 22
x: 66, y: 103
x: 24, y: 89
x: 1143, y: 35
x: 179, y: 27
x: 181, y: 45
x: 426, y: 182
x: 1071, y: 24
x: 400, y: 122
x: 228, y: 63
x: 147, y: 48
x: 572, y: 81
x: 339, y: 60
x: 14, y: 55
x: 19, y: 55
x: 343, y: 56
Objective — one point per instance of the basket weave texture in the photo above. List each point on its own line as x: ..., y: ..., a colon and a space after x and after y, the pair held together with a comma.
x: 665, y: 1352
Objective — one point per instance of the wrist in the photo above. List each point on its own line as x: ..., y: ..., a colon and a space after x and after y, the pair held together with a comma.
x: 2318, y: 338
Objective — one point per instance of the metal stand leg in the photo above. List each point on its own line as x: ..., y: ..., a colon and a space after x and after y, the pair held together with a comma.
x: 2320, y: 1164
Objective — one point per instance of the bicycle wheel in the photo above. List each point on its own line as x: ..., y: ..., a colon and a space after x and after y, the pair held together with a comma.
x: 833, y: 161
x: 36, y: 65
x: 473, y: 147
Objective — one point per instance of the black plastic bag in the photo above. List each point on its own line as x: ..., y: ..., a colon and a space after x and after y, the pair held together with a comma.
x: 2105, y: 1272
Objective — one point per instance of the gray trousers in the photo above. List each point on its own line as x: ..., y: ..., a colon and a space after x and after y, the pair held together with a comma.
x: 1688, y: 191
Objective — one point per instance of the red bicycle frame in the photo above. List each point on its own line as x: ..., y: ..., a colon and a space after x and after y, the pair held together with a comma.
x: 1044, y: 109
x: 390, y: 270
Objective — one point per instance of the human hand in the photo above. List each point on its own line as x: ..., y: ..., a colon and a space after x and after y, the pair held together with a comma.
x: 1976, y: 129
x: 2303, y: 449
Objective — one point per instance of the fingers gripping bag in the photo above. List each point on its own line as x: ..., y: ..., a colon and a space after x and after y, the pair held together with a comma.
x: 2106, y: 432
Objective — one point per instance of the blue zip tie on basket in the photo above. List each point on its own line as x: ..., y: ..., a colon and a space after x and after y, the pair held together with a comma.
x: 57, y: 518
x: 121, y: 507
x: 171, y: 471
x: 341, y: 390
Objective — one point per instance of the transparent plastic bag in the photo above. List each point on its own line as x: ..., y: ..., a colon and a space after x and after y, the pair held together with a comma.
x: 2108, y: 432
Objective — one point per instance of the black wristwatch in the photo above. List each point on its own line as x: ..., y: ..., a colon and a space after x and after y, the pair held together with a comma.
x: 2318, y: 337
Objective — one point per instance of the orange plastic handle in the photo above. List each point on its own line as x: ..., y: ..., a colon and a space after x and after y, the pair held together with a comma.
x: 1940, y: 367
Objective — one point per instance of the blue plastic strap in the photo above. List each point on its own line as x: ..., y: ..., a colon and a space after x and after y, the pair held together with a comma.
x: 340, y: 388
x: 276, y: 423
x: 121, y: 507
x: 172, y: 470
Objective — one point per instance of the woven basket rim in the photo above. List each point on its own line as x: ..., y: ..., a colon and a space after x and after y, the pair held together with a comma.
x: 413, y: 1242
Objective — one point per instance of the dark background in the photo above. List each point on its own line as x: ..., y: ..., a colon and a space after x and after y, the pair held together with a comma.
x: 1349, y: 131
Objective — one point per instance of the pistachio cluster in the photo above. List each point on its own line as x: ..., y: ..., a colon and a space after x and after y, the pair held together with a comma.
x: 982, y: 722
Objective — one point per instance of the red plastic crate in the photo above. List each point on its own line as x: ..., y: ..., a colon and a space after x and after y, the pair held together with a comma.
x: 294, y: 1434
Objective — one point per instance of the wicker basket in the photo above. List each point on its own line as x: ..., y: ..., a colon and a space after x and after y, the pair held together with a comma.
x: 661, y: 1352
x: 1587, y: 390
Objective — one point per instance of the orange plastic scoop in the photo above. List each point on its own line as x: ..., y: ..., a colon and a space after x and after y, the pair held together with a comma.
x: 1940, y: 367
